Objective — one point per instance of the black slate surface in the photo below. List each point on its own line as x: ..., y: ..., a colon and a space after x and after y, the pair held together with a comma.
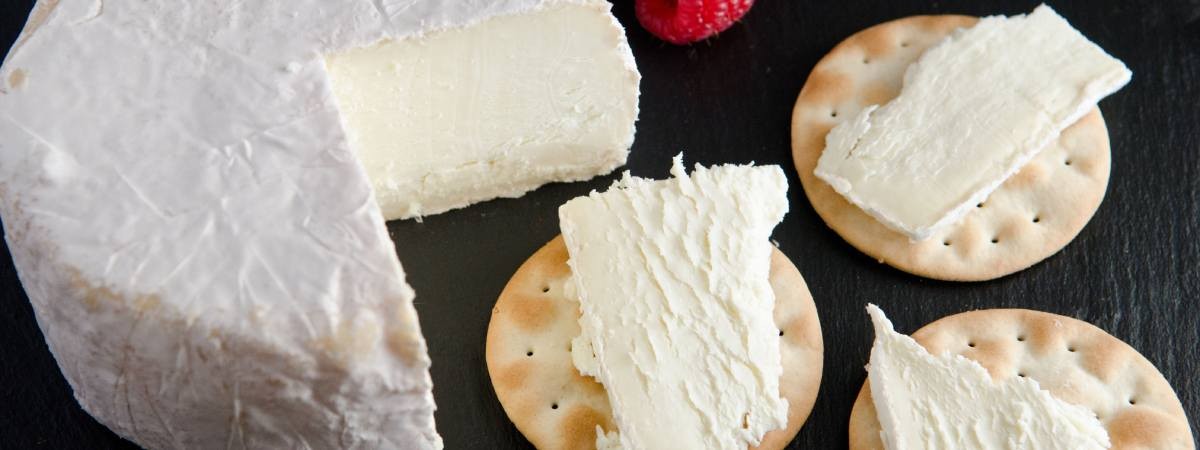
x: 1132, y: 271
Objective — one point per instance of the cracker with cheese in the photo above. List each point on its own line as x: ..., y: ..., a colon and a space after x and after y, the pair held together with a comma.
x: 954, y: 148
x: 679, y: 284
x: 1012, y: 378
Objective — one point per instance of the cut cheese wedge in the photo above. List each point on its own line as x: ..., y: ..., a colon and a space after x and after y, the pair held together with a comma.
x: 946, y: 401
x: 672, y: 279
x: 462, y: 115
x: 182, y: 195
x: 972, y: 111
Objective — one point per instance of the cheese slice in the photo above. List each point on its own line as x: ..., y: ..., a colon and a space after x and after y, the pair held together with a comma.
x: 672, y: 278
x: 934, y: 402
x: 457, y: 116
x: 197, y: 236
x: 972, y: 111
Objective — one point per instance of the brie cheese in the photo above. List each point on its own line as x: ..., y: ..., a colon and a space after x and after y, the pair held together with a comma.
x: 933, y: 402
x: 200, y: 243
x: 462, y: 115
x: 972, y: 111
x: 672, y: 279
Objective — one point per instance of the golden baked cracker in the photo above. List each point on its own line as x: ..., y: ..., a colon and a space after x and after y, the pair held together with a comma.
x: 1030, y: 217
x: 1072, y: 359
x: 529, y: 358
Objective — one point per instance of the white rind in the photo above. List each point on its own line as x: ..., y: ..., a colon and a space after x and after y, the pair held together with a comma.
x: 201, y: 248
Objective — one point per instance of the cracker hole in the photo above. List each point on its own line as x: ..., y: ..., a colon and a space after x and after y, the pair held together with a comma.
x: 1036, y: 219
x: 1020, y: 338
x: 1132, y: 401
x: 979, y: 205
x: 1021, y: 374
x: 545, y: 289
x: 904, y: 44
x: 1071, y: 349
x: 529, y: 353
x: 971, y: 344
x: 1067, y: 162
x: 866, y: 60
x: 554, y: 406
x: 833, y: 113
x: 946, y: 243
x: 995, y: 240
x: 781, y: 332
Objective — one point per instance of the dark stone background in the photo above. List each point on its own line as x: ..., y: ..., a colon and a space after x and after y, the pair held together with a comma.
x: 1132, y: 271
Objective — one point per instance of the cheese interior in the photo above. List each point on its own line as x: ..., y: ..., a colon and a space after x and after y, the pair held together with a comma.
x: 972, y: 111
x: 672, y: 278
x: 926, y: 401
x: 457, y: 116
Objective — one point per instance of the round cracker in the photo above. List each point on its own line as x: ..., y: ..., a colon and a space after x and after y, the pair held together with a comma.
x: 1034, y: 214
x: 1072, y: 359
x: 555, y: 407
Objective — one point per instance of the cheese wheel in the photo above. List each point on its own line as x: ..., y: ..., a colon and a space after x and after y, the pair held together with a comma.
x: 190, y: 219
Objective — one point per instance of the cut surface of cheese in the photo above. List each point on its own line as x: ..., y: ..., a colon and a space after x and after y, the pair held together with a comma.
x: 926, y: 401
x: 200, y: 244
x: 672, y: 278
x: 457, y: 116
x: 972, y: 111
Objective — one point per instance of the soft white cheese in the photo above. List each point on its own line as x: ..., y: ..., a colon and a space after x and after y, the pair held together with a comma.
x: 972, y: 111
x: 933, y: 402
x: 607, y: 440
x: 458, y: 116
x: 199, y: 242
x: 672, y: 279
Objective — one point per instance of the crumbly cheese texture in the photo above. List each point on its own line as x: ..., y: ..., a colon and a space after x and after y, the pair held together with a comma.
x: 934, y: 402
x: 457, y: 116
x: 199, y: 242
x: 972, y: 111
x: 672, y: 278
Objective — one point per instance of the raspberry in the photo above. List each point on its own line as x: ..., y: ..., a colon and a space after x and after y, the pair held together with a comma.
x: 686, y: 21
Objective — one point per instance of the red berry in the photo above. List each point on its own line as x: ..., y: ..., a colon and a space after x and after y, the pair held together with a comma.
x: 686, y: 21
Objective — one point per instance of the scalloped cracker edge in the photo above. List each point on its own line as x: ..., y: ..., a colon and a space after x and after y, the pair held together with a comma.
x: 529, y: 359
x: 1033, y: 215
x: 1074, y: 360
